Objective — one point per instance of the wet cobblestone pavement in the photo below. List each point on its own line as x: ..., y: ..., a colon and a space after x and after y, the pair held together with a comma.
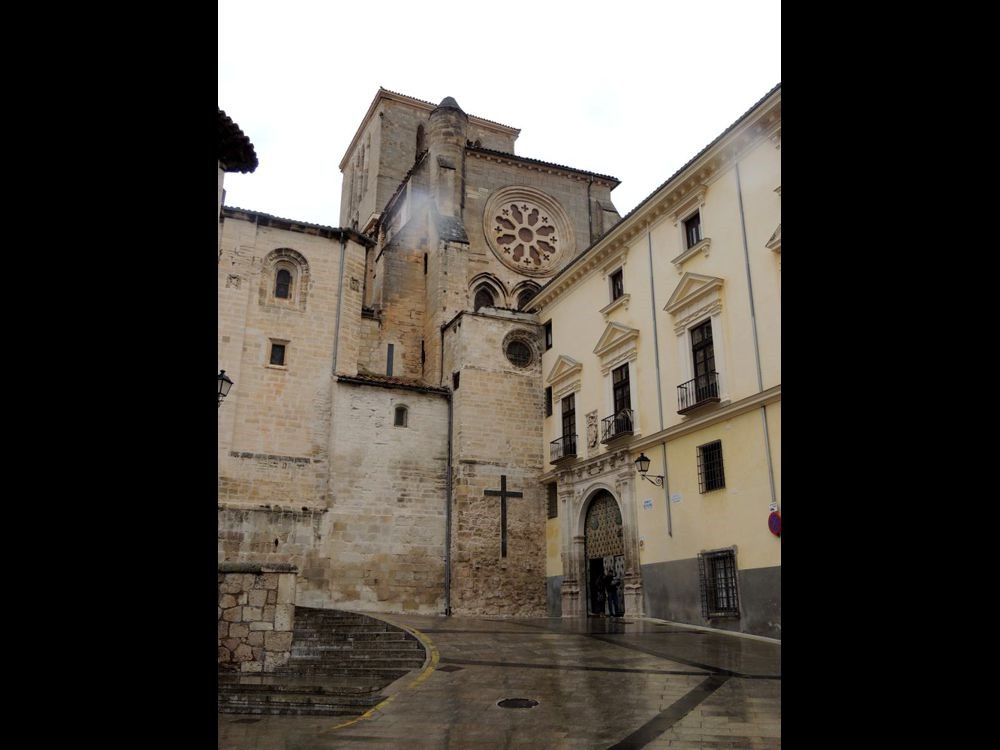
x: 599, y: 684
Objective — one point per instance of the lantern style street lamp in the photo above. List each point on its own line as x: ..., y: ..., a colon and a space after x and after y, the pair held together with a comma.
x: 642, y: 466
x: 224, y: 385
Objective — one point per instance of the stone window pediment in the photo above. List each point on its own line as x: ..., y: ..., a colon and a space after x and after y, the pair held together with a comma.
x: 695, y: 296
x: 617, y: 344
x: 564, y: 377
x: 775, y: 242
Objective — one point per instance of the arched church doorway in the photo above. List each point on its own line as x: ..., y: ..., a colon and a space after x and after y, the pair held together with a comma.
x: 605, y: 548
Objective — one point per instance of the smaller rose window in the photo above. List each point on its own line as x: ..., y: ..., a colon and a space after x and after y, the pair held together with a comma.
x: 519, y: 353
x: 525, y: 234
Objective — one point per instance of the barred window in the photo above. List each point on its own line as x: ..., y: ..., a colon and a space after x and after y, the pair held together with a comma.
x: 400, y: 419
x: 719, y: 595
x: 553, y: 501
x: 710, y: 473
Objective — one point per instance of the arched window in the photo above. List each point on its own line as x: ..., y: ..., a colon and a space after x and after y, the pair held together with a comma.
x: 283, y: 284
x: 401, y: 416
x: 484, y: 298
x: 523, y: 297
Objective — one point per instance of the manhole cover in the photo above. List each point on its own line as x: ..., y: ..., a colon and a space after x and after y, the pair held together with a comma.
x: 517, y: 703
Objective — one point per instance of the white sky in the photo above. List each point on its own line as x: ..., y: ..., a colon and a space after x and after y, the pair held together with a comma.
x: 630, y: 88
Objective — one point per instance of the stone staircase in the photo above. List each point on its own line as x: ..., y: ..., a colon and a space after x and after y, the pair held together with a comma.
x: 339, y: 664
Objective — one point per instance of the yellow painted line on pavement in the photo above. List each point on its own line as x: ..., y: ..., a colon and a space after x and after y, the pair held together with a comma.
x: 424, y: 674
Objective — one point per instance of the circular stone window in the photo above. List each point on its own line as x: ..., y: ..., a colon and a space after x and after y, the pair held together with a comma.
x: 527, y: 230
x: 519, y: 353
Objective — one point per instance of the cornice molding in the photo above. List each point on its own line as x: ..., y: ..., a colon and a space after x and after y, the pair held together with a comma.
x: 688, y: 204
x: 702, y: 247
x: 669, y: 200
x: 535, y: 166
x: 770, y: 396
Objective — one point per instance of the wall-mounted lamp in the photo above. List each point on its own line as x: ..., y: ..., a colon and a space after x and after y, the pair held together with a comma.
x: 642, y: 466
x: 224, y: 385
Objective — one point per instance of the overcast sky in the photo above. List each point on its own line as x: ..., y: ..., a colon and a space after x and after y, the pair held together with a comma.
x: 630, y: 88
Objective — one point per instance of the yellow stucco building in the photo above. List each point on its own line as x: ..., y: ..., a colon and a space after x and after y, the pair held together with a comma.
x: 663, y: 342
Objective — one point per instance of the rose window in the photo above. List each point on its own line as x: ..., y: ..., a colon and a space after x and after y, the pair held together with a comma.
x: 526, y: 234
x: 527, y: 230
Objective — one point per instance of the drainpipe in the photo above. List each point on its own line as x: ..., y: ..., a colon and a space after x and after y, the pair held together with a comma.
x: 448, y: 482
x: 659, y: 386
x: 753, y: 321
x: 590, y: 218
x: 340, y: 302
x: 447, y: 521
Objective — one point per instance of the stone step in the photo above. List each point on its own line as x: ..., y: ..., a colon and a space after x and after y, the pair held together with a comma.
x: 375, y: 659
x: 361, y: 647
x: 317, y: 670
x: 271, y: 704
x: 335, y: 636
x: 305, y: 631
x: 275, y: 684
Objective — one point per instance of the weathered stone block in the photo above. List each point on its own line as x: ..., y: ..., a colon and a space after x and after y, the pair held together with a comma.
x: 233, y: 615
x: 238, y: 630
x: 242, y: 652
x: 223, y: 629
x: 252, y: 613
x: 273, y: 660
x: 224, y: 655
x: 278, y: 641
x: 272, y: 596
x: 227, y: 600
x: 231, y: 643
x: 286, y: 589
x: 256, y: 638
x: 257, y: 598
x: 232, y: 584
x: 261, y: 626
x: 251, y: 666
x: 268, y: 614
x: 284, y: 615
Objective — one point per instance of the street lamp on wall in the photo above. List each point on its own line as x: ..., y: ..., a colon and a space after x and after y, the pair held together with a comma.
x: 642, y: 466
x: 224, y: 385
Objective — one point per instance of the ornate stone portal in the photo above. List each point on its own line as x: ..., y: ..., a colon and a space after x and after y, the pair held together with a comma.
x: 578, y: 486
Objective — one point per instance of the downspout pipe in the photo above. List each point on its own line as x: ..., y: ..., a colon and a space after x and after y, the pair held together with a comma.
x: 753, y: 322
x: 448, y: 484
x: 340, y: 302
x: 659, y: 386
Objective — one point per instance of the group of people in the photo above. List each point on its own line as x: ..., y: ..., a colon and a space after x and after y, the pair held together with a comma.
x: 607, y: 586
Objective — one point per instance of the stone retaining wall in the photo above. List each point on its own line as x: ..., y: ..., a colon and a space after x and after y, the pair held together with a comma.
x: 256, y: 615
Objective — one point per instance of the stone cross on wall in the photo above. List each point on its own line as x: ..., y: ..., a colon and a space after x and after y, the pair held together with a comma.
x: 503, y: 494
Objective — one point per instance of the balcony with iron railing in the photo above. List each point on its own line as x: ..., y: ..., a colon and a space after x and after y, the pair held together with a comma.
x: 562, y: 449
x: 698, y: 392
x: 616, y: 426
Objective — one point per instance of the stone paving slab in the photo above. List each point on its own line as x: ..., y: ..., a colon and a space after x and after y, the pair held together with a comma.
x: 598, y: 683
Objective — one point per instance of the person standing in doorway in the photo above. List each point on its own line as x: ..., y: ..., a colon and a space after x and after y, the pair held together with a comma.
x: 612, y: 583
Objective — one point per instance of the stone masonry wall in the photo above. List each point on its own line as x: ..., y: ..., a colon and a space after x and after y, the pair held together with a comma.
x: 256, y: 616
x: 497, y: 431
x: 383, y: 546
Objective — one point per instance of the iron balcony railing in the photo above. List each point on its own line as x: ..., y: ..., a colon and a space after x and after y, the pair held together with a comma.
x: 616, y: 426
x: 561, y: 448
x: 703, y: 389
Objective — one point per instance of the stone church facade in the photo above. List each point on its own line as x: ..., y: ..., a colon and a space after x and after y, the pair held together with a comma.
x: 385, y: 430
